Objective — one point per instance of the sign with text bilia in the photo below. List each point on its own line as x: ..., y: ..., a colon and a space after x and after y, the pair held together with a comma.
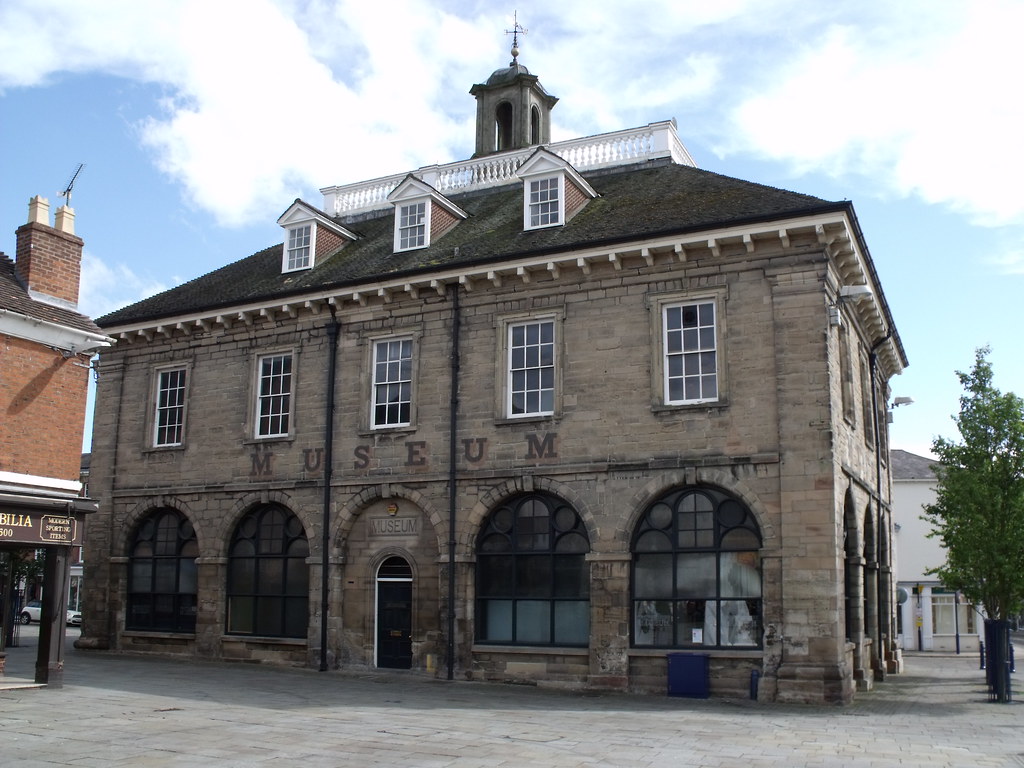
x: 38, y: 529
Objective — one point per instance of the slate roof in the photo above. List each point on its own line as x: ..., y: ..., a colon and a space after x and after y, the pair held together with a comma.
x: 15, y: 298
x: 636, y: 202
x: 910, y: 466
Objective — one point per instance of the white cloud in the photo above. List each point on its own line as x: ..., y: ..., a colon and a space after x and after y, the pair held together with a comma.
x: 1009, y: 262
x: 927, y: 109
x: 105, y: 288
x: 267, y: 100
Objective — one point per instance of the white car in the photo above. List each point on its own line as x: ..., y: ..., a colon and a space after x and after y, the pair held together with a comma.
x: 33, y: 609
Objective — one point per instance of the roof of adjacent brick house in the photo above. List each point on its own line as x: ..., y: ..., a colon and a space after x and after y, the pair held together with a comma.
x: 14, y: 297
x: 657, y: 198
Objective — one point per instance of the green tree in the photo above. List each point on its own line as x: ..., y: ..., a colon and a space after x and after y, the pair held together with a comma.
x: 979, y: 510
x: 21, y: 565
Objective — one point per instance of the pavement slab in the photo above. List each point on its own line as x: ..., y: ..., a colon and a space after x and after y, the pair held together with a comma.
x: 119, y: 710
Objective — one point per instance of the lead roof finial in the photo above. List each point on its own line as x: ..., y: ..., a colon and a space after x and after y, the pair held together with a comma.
x: 516, y: 29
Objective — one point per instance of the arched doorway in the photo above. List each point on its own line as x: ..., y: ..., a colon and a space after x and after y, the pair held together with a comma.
x: 394, y: 614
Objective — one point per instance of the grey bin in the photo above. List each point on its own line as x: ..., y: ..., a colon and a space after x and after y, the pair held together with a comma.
x: 688, y: 675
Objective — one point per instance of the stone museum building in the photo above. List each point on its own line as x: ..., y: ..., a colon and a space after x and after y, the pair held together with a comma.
x: 564, y: 413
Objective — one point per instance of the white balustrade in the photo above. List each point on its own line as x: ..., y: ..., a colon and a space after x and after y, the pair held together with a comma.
x: 656, y: 140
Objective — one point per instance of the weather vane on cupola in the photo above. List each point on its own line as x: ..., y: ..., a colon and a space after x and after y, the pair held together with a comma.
x: 516, y: 29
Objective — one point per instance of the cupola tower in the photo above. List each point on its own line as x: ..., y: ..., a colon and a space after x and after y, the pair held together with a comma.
x: 513, y: 110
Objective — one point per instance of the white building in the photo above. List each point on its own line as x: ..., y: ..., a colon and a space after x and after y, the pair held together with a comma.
x: 932, y: 617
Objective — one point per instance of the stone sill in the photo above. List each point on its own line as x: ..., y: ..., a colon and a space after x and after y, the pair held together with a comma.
x: 544, y: 650
x: 714, y: 653
x: 531, y: 650
x: 257, y: 639
x: 159, y: 635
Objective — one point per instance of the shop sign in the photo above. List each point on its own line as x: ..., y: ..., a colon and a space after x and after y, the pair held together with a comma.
x: 38, y: 529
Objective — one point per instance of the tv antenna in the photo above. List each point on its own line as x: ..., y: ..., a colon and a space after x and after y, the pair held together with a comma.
x: 66, y: 193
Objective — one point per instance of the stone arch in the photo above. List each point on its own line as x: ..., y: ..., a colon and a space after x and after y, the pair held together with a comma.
x: 348, y: 512
x: 378, y: 558
x: 525, y: 484
x: 143, y: 509
x: 247, y: 502
x: 721, y: 479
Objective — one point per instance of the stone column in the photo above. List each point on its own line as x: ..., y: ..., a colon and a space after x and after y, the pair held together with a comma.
x: 609, y: 619
x: 871, y: 614
x: 855, y: 604
x: 211, y: 611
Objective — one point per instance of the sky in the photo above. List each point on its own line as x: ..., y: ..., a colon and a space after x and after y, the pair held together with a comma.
x: 199, y: 123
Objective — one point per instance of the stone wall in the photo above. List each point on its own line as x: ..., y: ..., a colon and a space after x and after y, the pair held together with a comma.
x: 775, y: 439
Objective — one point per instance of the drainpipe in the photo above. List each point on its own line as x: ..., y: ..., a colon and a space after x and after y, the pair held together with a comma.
x: 453, y: 414
x: 325, y: 543
x: 873, y: 364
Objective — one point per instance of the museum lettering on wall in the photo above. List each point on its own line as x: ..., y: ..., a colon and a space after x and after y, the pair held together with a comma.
x: 539, y: 447
x: 394, y: 526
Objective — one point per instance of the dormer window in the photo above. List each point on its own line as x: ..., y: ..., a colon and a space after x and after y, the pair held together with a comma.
x: 553, y: 191
x: 413, y: 223
x: 300, y: 248
x: 422, y: 214
x: 310, y: 237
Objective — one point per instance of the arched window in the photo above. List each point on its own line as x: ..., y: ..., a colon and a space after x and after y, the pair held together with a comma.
x: 697, y: 573
x: 534, y: 126
x: 268, y: 578
x: 532, y: 581
x: 503, y: 127
x: 162, y: 574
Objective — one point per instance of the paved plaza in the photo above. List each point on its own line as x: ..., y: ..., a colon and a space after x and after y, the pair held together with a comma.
x: 128, y: 711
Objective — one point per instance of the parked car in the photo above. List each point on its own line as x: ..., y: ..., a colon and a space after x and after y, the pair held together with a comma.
x: 33, y: 610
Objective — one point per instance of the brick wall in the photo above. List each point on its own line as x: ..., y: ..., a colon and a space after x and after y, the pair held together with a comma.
x: 327, y: 242
x: 441, y: 221
x: 42, y: 409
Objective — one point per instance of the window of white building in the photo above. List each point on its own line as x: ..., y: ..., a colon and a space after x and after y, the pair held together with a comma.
x: 950, y: 615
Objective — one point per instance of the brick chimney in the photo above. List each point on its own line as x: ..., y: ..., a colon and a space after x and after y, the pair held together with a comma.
x: 49, y: 259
